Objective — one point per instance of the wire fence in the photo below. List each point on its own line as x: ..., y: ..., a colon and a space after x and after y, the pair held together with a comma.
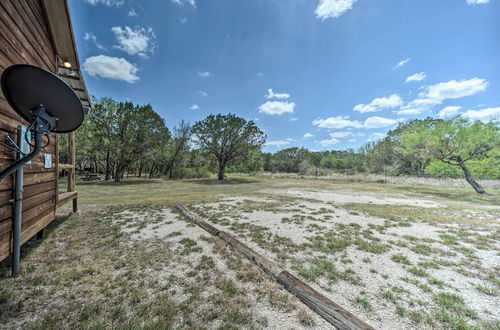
x: 380, y: 178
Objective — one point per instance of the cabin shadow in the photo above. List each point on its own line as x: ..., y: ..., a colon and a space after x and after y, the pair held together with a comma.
x: 28, y: 247
x: 125, y: 182
x: 467, y: 196
x: 231, y: 181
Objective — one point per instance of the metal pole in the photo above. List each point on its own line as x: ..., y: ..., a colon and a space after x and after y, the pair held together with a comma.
x: 18, y: 210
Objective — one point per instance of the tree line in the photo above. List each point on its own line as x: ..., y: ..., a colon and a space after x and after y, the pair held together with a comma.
x: 120, y: 138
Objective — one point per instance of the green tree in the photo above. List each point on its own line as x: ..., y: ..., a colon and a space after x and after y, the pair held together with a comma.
x: 227, y: 137
x: 179, y: 145
x: 455, y: 141
x: 289, y: 160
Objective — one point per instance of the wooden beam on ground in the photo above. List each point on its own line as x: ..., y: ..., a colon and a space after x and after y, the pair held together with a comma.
x: 330, y: 311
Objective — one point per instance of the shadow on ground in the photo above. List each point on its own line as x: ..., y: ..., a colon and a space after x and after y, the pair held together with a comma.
x: 29, y: 246
x: 235, y: 181
x: 125, y: 182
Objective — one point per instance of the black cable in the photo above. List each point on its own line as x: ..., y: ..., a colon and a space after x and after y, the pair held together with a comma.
x: 29, y: 129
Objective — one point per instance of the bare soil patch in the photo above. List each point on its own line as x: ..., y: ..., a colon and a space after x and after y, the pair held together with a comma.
x: 394, y: 273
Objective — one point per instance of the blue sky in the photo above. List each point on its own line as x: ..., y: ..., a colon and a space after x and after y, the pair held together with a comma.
x: 323, y: 74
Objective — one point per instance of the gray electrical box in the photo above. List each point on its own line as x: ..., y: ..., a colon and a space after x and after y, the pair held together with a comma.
x: 25, y: 147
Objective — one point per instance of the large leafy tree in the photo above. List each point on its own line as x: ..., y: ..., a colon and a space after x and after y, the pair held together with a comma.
x: 289, y: 160
x: 227, y: 137
x: 455, y: 141
x: 139, y: 132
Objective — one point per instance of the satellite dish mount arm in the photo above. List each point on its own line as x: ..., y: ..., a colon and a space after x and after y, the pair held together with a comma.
x: 42, y: 123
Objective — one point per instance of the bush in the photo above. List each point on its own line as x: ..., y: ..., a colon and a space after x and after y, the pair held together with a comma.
x: 191, y: 173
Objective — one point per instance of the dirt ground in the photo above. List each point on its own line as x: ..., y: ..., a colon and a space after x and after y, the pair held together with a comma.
x: 397, y: 257
x: 394, y: 273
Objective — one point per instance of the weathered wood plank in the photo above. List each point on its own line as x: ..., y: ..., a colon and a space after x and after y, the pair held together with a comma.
x: 27, y: 32
x: 39, y: 188
x: 17, y: 40
x: 66, y: 197
x: 330, y: 311
x: 65, y: 166
x: 29, y: 229
x: 35, y: 26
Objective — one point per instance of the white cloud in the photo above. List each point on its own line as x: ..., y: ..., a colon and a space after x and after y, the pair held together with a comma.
x: 406, y: 112
x: 272, y: 95
x: 279, y: 143
x: 455, y: 89
x: 202, y: 93
x: 337, y: 122
x: 111, y: 67
x: 182, y: 2
x: 483, y: 115
x: 204, y: 74
x: 277, y: 107
x: 477, y: 2
x: 308, y: 135
x: 449, y: 111
x: 417, y: 106
x: 132, y: 13
x: 343, y: 122
x: 333, y: 8
x: 340, y: 134
x: 378, y: 122
x: 138, y: 41
x: 416, y: 77
x: 380, y: 103
x: 195, y: 107
x: 183, y: 20
x: 293, y: 119
x: 328, y: 142
x: 402, y: 63
x: 435, y: 94
x: 260, y: 74
x: 91, y: 37
x: 109, y: 3
x: 351, y: 140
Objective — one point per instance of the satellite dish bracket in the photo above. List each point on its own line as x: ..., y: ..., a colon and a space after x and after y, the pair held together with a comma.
x: 42, y: 123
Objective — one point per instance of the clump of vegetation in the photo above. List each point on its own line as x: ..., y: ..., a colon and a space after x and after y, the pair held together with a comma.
x: 401, y: 259
x: 453, y: 311
x: 364, y: 302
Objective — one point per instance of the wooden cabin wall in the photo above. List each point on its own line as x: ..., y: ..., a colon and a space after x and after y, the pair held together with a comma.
x: 25, y: 38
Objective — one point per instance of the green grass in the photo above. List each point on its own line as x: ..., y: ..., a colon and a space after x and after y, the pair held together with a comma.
x: 489, y: 290
x: 401, y: 259
x: 423, y: 249
x: 89, y: 274
x: 418, y: 272
x: 363, y: 302
x: 372, y: 247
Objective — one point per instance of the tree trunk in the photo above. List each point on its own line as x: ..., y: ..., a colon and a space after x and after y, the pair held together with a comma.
x: 151, y: 173
x: 221, y: 171
x: 119, y: 173
x: 470, y: 179
x: 140, y: 168
x: 108, y: 170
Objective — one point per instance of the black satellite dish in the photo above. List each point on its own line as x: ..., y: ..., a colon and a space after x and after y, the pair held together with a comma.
x: 26, y: 87
x: 50, y: 106
x: 47, y: 102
